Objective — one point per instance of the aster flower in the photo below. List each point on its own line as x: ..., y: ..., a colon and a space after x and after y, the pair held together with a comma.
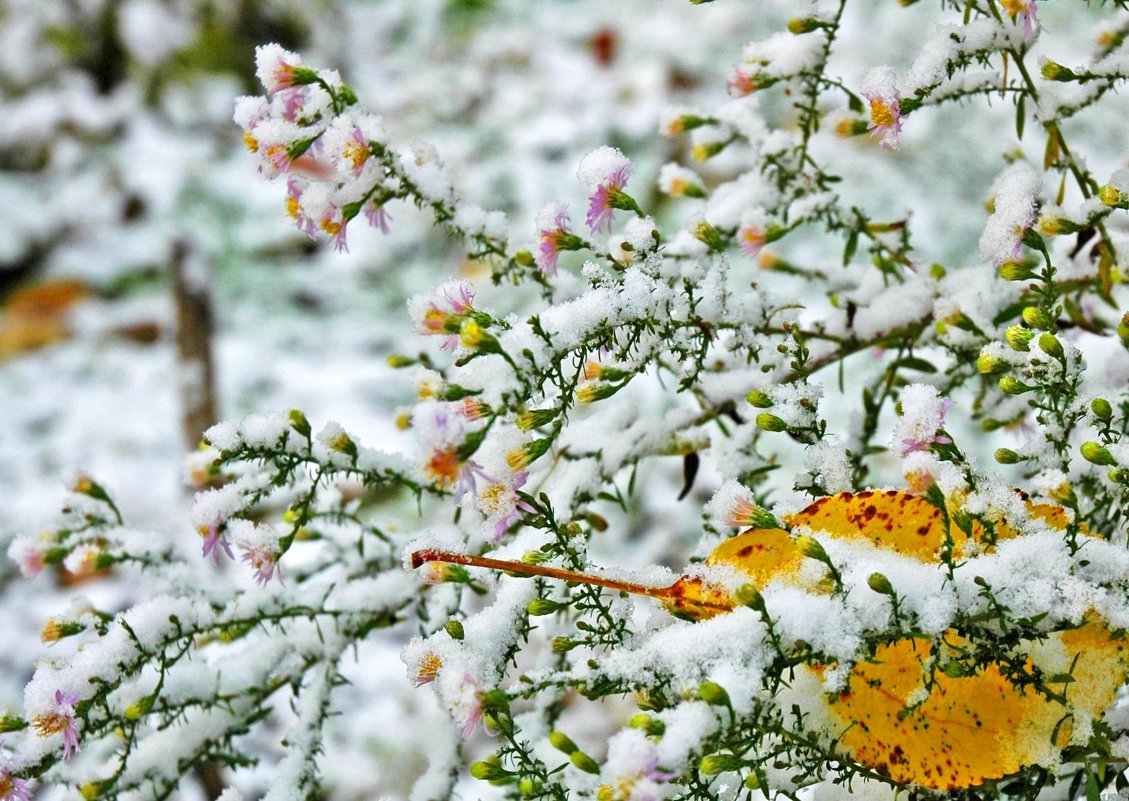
x: 214, y: 541
x: 333, y: 222
x: 297, y: 213
x: 741, y: 82
x: 264, y: 559
x: 12, y: 788
x: 27, y: 556
x: 60, y: 720
x: 279, y: 69
x: 426, y: 672
x: 605, y: 172
x: 466, y: 704
x: 500, y: 504
x: 922, y: 417
x: 879, y: 89
x: 443, y: 313
x: 377, y: 216
x: 1023, y: 11
x: 555, y: 235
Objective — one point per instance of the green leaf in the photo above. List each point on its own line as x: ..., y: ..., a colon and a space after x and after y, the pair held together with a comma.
x: 914, y: 363
x: 1020, y: 116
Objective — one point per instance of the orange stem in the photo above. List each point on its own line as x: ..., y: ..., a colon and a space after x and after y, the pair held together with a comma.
x: 433, y: 555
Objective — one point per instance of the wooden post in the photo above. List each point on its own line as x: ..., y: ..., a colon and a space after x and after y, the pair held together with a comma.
x: 195, y: 323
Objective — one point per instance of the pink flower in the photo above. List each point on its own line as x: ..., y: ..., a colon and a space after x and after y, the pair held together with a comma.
x: 294, y: 209
x: 602, y: 203
x: 214, y: 541
x: 377, y: 217
x: 499, y: 503
x: 752, y: 240
x: 295, y: 100
x: 12, y: 788
x: 427, y: 671
x: 264, y: 559
x: 60, y: 720
x: 921, y: 442
x: 466, y: 706
x: 277, y: 69
x: 444, y: 315
x: 741, y: 83
x: 356, y: 151
x: 885, y: 117
x: 556, y: 235
x: 333, y: 222
x: 1023, y: 11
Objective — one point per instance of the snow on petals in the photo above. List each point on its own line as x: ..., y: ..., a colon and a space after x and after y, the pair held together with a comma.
x: 923, y: 414
x: 555, y: 234
x: 261, y: 548
x: 604, y: 172
x: 879, y: 88
x: 60, y: 719
x: 1025, y: 13
x: 278, y: 69
x: 1015, y: 194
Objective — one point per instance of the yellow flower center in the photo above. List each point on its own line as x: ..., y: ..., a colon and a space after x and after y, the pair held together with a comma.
x: 1013, y: 7
x: 356, y: 153
x: 250, y: 142
x: 881, y: 113
x: 443, y: 466
x: 48, y: 724
x: 292, y: 207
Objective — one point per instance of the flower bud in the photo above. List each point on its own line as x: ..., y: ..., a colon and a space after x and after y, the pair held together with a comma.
x: 811, y: 548
x: 713, y: 694
x: 1096, y: 454
x: 1007, y: 456
x: 55, y: 630
x: 488, y: 771
x: 770, y: 422
x: 474, y: 337
x: 1014, y: 271
x: 1010, y: 385
x: 987, y: 363
x: 705, y: 233
x: 1019, y: 337
x: 524, y: 258
x: 529, y: 787
x: 454, y: 629
x: 880, y: 584
x: 342, y: 443
x: 1038, y: 318
x: 535, y: 418
x: 650, y: 725
x: 1053, y: 71
x: 139, y: 709
x: 1112, y: 196
x: 752, y: 782
x: 562, y: 742
x: 1101, y: 409
x: 299, y: 423
x: 535, y: 557
x: 719, y: 763
x: 540, y: 607
x: 760, y: 399
x: 11, y: 723
x: 798, y: 25
x: 1049, y: 344
x: 750, y: 596
x: 597, y: 391
x: 584, y: 762
x: 562, y: 645
x: 520, y: 458
x: 1123, y: 330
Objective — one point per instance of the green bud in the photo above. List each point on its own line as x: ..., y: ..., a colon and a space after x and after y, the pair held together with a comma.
x: 750, y: 596
x: 880, y: 584
x: 1053, y: 71
x: 718, y: 763
x: 1015, y: 271
x: 1096, y: 454
x: 705, y: 233
x: 760, y: 399
x: 562, y: 645
x: 1038, y: 318
x: 1101, y: 409
x: 535, y: 418
x: 562, y: 742
x: 488, y: 771
x: 811, y: 548
x: 584, y: 762
x: 299, y: 422
x: 652, y: 726
x: 1019, y: 337
x: 1123, y: 330
x: 713, y: 694
x: 1049, y: 344
x: 770, y: 422
x: 1118, y: 475
x: 11, y: 723
x: 752, y: 782
x: 987, y: 364
x: 455, y: 629
x: 524, y: 258
x: 398, y: 361
x: 535, y: 557
x: 798, y: 25
x: 1007, y: 456
x: 1112, y: 196
x: 539, y: 607
x: 1010, y: 385
x: 528, y: 787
